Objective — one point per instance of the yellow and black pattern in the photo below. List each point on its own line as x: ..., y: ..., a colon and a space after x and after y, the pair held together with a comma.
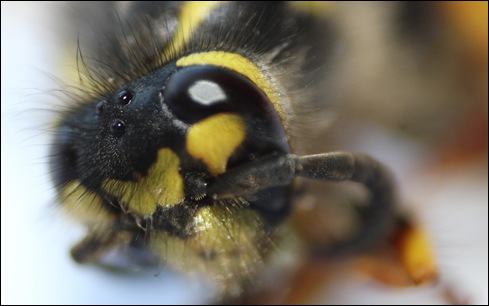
x: 179, y: 146
x: 177, y: 93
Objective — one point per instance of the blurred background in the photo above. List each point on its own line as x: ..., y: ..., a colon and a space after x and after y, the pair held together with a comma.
x: 409, y: 82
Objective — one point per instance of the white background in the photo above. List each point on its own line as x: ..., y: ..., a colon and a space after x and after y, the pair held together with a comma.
x: 36, y: 267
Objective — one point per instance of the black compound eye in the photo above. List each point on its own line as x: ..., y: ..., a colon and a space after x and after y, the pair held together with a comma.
x: 125, y: 96
x: 118, y: 128
x: 196, y: 92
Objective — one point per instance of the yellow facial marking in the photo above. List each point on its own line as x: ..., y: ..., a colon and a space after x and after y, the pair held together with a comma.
x: 83, y: 204
x: 192, y: 13
x: 214, y: 139
x: 162, y: 186
x: 239, y: 64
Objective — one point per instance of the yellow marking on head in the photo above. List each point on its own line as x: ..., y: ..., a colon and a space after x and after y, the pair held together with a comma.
x: 239, y: 64
x: 162, y: 186
x: 84, y: 205
x: 214, y: 139
x: 191, y: 15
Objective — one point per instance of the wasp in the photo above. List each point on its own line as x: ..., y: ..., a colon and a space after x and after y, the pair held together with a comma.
x: 182, y: 145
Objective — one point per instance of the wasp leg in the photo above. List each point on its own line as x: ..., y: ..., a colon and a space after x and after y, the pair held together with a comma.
x: 279, y: 170
x: 114, y: 250
x: 378, y: 217
x: 248, y: 179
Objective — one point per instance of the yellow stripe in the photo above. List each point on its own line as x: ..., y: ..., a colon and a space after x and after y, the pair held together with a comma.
x: 240, y: 65
x: 162, y: 186
x: 192, y: 13
x: 214, y: 139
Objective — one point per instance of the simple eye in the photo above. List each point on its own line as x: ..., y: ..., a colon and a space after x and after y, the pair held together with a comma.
x: 101, y: 106
x: 125, y: 96
x: 118, y: 128
x: 194, y: 93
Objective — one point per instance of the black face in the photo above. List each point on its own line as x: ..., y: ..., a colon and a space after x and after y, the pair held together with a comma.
x: 118, y: 136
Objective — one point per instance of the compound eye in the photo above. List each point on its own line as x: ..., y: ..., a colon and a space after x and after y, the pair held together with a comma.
x: 194, y: 93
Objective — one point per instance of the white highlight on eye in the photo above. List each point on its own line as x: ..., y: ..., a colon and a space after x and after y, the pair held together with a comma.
x: 206, y: 92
